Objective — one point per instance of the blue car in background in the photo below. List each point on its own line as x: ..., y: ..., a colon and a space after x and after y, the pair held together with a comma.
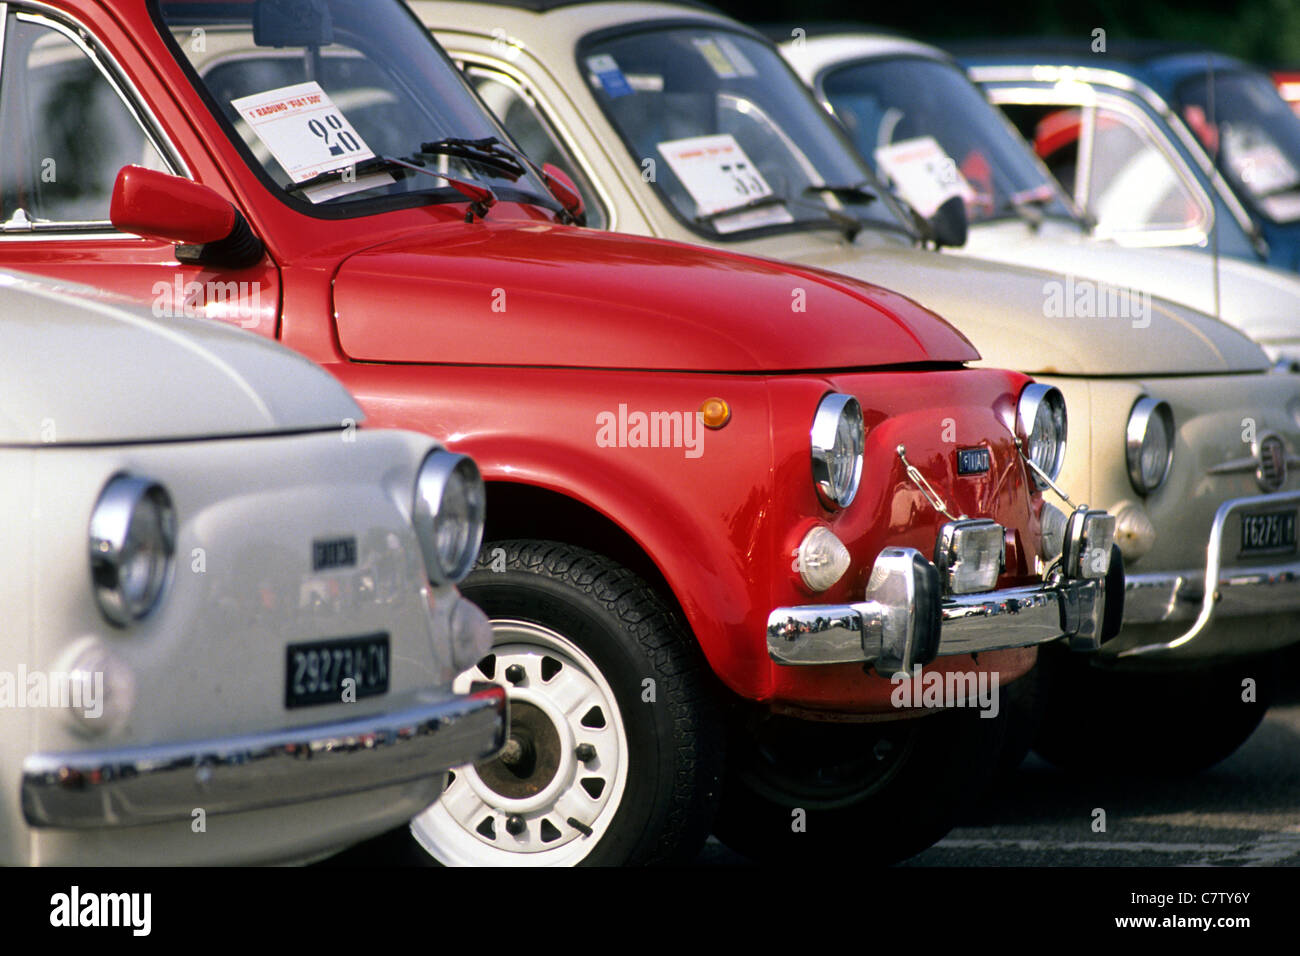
x: 1162, y: 146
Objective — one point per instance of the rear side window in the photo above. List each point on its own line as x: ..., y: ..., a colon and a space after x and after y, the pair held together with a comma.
x: 64, y: 130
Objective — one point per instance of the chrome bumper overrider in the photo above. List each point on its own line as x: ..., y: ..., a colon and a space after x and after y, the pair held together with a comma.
x: 906, y: 621
x: 1172, y: 596
x: 127, y: 787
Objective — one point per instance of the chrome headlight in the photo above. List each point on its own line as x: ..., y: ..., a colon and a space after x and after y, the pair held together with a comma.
x: 1042, y: 420
x: 448, y: 515
x: 132, y: 540
x: 1150, y: 444
x: 838, y: 439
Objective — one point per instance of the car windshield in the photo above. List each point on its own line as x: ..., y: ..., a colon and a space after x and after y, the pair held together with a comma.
x: 1242, y: 120
x: 729, y: 135
x: 931, y: 133
x: 322, y: 94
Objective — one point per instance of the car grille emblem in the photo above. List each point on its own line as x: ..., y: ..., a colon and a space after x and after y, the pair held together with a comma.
x: 329, y: 553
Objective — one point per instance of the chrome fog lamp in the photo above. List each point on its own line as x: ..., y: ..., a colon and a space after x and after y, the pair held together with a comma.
x: 1149, y: 443
x: 1042, y: 424
x: 1089, y: 536
x: 132, y: 540
x: 970, y: 554
x: 1052, y: 522
x: 822, y: 558
x: 838, y: 439
x: 450, y: 504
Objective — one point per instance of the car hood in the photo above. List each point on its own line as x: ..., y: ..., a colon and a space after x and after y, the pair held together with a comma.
x: 1020, y: 318
x: 537, y: 294
x: 78, y: 368
x: 1261, y: 301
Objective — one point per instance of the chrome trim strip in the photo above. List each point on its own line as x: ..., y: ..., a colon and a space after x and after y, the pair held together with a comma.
x: 142, y: 785
x: 1170, y: 595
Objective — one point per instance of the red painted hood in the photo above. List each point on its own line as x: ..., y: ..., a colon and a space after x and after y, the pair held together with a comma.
x: 507, y: 294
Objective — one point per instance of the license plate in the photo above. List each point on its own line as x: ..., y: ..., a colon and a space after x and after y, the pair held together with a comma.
x: 1270, y: 533
x: 315, y: 671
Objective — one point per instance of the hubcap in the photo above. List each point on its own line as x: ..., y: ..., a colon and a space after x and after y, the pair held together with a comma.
x: 552, y: 792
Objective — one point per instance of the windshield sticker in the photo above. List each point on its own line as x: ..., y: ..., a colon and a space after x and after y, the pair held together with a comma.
x: 714, y: 56
x: 923, y: 174
x: 720, y: 177
x: 304, y: 130
x: 608, y: 75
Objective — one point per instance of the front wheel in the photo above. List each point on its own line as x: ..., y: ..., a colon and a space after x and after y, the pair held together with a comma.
x: 614, y: 752
x: 800, y: 792
x: 1148, y: 723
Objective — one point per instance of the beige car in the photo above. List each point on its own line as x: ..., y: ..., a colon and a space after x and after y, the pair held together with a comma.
x: 679, y: 123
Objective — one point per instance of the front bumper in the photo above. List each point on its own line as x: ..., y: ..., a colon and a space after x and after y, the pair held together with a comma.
x: 130, y: 787
x: 914, y: 624
x: 1175, y: 596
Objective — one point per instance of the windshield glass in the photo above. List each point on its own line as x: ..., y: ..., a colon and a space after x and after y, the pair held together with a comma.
x: 1254, y: 135
x: 728, y: 134
x: 323, y: 92
x: 926, y: 127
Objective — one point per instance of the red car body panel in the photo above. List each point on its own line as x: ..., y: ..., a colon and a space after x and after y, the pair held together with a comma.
x: 399, y: 307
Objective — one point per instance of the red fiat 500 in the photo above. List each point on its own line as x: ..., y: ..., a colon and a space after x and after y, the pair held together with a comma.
x: 728, y: 499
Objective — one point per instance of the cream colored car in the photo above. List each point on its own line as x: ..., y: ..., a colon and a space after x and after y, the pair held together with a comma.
x: 231, y: 619
x: 891, y: 94
x: 679, y: 123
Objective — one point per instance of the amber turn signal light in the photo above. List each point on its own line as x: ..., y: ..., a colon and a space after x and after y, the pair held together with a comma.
x: 715, y: 412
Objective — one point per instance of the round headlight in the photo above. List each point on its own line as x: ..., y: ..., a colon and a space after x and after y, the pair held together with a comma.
x: 1150, y: 444
x: 838, y: 439
x: 448, y: 515
x: 1042, y: 419
x: 132, y: 540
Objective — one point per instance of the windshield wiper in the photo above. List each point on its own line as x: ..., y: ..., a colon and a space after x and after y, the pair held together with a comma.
x: 488, y: 151
x: 861, y: 192
x: 480, y: 197
x: 772, y: 199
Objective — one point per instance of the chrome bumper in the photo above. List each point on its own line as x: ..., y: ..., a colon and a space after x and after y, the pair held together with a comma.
x: 895, y: 631
x: 129, y: 787
x: 1173, y: 596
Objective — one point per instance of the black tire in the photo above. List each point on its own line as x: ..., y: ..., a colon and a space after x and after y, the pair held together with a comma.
x: 853, y: 811
x: 675, y: 742
x: 1146, y: 723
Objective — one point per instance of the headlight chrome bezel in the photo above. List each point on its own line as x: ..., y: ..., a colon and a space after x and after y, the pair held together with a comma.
x: 1146, y: 412
x: 113, y: 545
x: 439, y: 474
x: 834, y: 489
x: 1034, y: 399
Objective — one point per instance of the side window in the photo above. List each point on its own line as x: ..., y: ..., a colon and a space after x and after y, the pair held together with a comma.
x: 523, y: 120
x: 1133, y: 183
x: 64, y: 131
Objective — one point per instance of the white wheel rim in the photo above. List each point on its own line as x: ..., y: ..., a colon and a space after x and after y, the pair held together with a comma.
x: 475, y: 823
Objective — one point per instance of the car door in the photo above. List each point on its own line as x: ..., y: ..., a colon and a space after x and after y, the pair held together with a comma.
x: 68, y: 124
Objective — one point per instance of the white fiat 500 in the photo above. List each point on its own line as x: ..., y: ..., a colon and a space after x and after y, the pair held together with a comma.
x: 908, y: 106
x: 231, y: 619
